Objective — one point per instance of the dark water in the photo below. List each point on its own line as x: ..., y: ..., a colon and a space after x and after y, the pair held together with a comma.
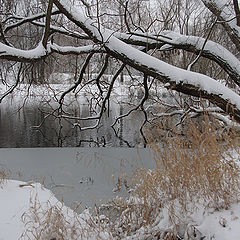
x: 17, y: 128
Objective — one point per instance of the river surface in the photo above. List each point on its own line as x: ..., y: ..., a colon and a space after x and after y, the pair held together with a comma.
x: 19, y: 116
x: 78, y: 176
x: 91, y: 164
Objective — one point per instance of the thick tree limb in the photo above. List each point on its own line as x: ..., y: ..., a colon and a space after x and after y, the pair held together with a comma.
x: 190, y: 83
x: 47, y: 24
x: 211, y: 50
x: 226, y: 18
x: 66, y: 50
x: 38, y: 53
x: 14, y: 54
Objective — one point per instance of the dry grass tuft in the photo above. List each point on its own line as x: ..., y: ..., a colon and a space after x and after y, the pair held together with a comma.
x: 56, y: 222
x: 4, y: 174
x: 196, y: 169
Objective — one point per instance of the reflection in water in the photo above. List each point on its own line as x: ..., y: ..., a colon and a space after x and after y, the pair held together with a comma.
x: 17, y: 128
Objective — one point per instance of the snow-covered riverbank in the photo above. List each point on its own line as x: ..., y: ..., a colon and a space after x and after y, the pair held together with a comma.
x: 26, y: 209
x: 29, y: 211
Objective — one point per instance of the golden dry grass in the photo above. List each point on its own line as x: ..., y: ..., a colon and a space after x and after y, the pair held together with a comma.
x: 4, y: 174
x: 47, y: 221
x: 198, y: 168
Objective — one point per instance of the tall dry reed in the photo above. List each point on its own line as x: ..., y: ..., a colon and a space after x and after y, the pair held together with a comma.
x: 199, y: 168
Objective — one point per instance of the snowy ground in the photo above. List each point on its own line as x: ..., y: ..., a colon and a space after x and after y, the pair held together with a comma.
x: 15, y: 200
x: 17, y: 197
x: 29, y: 211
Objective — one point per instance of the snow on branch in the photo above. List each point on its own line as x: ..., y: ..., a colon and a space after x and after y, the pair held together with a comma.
x: 187, y: 82
x: 23, y: 20
x: 19, y: 55
x: 64, y: 50
x: 227, y: 17
x: 14, y: 54
x: 211, y: 50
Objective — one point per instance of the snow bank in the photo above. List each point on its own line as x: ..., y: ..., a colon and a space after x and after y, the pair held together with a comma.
x: 14, y: 201
x: 203, y: 224
x: 16, y: 198
x: 28, y: 208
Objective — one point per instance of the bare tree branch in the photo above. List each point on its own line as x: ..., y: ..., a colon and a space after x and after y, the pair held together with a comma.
x: 80, y: 78
x: 237, y: 11
x: 201, y: 51
x: 24, y: 20
x: 217, y: 8
x: 47, y: 24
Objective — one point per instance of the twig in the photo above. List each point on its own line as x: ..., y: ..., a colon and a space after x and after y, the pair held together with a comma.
x: 204, y: 44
